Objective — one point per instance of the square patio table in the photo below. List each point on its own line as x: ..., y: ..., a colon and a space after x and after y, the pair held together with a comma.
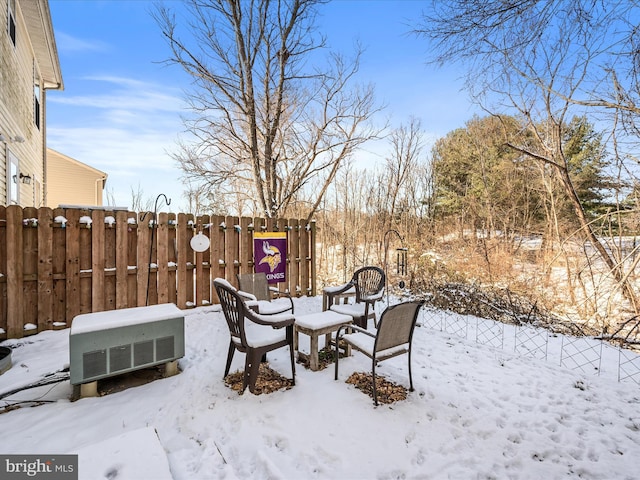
x: 314, y: 325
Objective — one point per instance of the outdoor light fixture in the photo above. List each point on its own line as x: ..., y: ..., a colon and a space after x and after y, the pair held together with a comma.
x: 14, y: 139
x: 26, y: 179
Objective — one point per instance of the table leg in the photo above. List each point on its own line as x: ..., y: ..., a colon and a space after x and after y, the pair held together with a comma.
x: 313, y: 354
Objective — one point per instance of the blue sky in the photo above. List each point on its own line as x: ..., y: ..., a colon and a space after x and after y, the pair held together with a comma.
x: 121, y: 108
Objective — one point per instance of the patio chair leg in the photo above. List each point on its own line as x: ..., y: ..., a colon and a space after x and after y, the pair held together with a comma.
x: 247, y: 371
x: 232, y: 349
x: 254, y: 368
x: 336, y: 355
x: 293, y: 365
x: 373, y: 379
x: 410, y: 378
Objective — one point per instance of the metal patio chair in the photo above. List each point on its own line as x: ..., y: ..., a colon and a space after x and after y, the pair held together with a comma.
x: 393, y: 337
x: 369, y: 287
x: 271, y: 301
x: 252, y: 333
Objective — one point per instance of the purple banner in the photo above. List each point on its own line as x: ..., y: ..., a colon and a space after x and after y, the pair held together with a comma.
x: 270, y: 255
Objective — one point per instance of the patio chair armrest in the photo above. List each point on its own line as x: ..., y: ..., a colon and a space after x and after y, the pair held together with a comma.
x: 246, y: 296
x: 276, y: 321
x: 279, y: 293
x: 282, y: 294
x: 356, y: 328
x: 373, y: 298
x: 337, y: 289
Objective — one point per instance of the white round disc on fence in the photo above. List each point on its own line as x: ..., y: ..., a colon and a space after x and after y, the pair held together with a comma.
x: 200, y: 242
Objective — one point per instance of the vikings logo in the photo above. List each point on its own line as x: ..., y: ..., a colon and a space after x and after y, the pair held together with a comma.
x: 272, y: 256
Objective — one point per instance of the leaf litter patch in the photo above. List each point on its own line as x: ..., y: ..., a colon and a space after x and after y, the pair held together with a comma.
x: 388, y: 392
x: 326, y: 356
x: 268, y: 381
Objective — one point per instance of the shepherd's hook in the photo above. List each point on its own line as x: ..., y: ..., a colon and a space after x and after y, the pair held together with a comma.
x: 153, y: 227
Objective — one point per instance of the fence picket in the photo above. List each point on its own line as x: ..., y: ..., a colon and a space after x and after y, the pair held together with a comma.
x: 45, y: 269
x: 98, y: 263
x: 181, y: 268
x: 163, y: 258
x: 145, y: 258
x: 30, y: 270
x: 72, y: 267
x: 59, y: 267
x: 217, y: 247
x: 122, y: 256
x: 293, y: 253
x: 231, y: 250
x: 15, y: 323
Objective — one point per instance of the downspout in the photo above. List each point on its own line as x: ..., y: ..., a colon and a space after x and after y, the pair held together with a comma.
x: 99, y: 192
x: 43, y: 124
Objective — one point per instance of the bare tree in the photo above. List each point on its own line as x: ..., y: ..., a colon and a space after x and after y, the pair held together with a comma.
x: 266, y: 123
x: 547, y: 60
x: 138, y: 202
x: 400, y: 170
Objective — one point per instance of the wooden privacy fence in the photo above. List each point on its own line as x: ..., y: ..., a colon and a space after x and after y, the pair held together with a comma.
x: 58, y: 263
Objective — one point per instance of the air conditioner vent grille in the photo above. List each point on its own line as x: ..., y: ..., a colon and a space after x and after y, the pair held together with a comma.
x: 143, y: 353
x: 119, y: 358
x: 94, y: 363
x: 164, y: 348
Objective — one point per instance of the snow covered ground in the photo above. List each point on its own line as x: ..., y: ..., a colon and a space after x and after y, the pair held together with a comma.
x: 478, y: 411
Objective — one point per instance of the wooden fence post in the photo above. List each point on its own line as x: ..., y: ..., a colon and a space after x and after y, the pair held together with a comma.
x: 15, y: 321
x: 294, y: 257
x: 122, y: 259
x: 30, y: 270
x: 45, y: 269
x: 72, y: 266
x: 181, y: 267
x: 312, y: 258
x: 144, y: 256
x: 97, y: 261
x: 163, y: 258
x: 216, y: 237
x: 246, y: 245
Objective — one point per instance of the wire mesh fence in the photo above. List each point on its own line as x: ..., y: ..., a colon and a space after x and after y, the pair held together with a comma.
x: 588, y: 355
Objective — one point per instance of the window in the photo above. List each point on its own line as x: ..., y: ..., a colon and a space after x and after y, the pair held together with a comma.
x: 13, y: 187
x: 36, y: 95
x: 11, y: 21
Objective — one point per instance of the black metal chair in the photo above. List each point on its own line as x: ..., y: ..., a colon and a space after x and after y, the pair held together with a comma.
x: 271, y: 301
x: 369, y: 286
x: 393, y: 337
x: 252, y: 333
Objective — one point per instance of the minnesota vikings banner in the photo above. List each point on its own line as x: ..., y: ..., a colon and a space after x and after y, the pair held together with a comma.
x: 270, y: 254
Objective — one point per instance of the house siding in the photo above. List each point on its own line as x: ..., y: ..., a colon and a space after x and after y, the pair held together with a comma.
x: 17, y: 110
x: 70, y: 182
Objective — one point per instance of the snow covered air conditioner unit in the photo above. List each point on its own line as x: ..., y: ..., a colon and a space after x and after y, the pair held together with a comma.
x: 104, y: 344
